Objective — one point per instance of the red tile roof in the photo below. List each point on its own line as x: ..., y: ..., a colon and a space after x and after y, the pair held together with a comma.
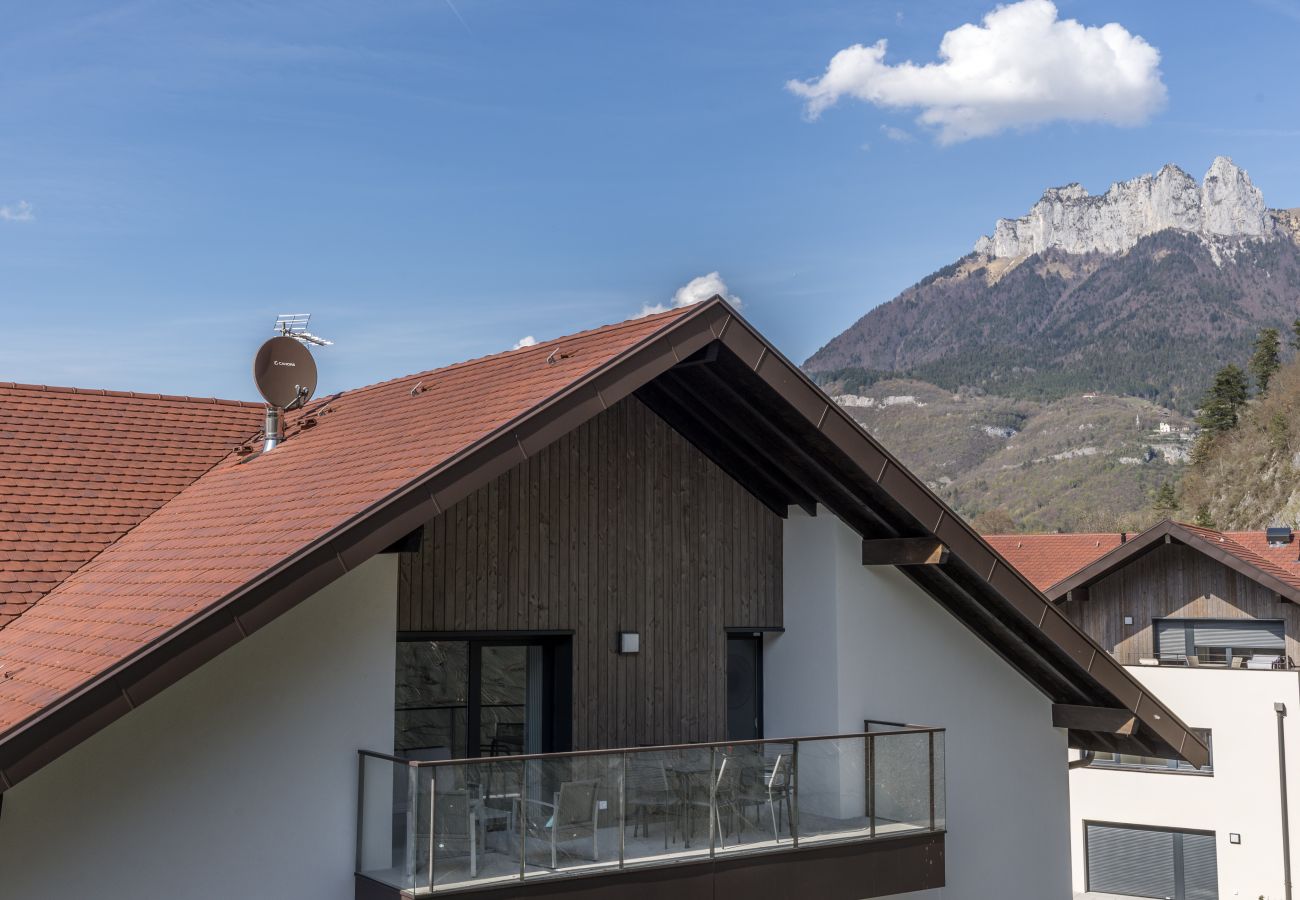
x: 1048, y: 559
x: 78, y: 469
x: 240, y: 518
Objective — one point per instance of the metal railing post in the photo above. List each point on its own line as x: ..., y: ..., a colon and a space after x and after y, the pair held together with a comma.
x: 433, y: 819
x: 713, y: 796
x: 622, y: 808
x: 409, y: 867
x: 931, y: 736
x: 794, y: 793
x: 523, y: 820
x: 871, y: 783
x: 361, y: 804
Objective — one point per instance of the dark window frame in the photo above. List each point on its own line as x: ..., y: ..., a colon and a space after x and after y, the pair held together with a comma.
x: 1169, y: 766
x: 557, y: 720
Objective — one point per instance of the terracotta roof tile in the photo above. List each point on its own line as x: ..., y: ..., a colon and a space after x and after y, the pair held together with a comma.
x: 239, y: 517
x: 1046, y: 559
x: 79, y: 469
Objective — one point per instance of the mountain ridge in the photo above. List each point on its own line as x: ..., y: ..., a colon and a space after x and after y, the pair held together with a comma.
x: 1153, y: 319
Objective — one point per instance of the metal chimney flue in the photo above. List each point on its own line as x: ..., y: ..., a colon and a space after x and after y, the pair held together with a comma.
x: 273, y: 433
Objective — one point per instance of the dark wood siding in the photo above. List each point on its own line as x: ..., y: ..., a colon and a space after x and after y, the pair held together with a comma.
x: 1174, y: 581
x: 620, y: 525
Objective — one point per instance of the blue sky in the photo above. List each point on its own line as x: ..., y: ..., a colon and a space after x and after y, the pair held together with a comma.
x: 435, y: 182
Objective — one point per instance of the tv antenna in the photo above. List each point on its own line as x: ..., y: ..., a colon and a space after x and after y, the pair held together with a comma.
x: 285, y: 373
x: 294, y: 325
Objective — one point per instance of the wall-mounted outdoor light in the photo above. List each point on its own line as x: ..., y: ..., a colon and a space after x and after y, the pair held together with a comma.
x: 1128, y: 620
x: 1234, y: 838
x: 629, y: 642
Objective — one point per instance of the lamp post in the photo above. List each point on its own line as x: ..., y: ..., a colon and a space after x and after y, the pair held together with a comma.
x: 1280, y: 709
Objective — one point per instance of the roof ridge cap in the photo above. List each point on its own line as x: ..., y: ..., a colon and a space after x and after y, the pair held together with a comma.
x: 667, y: 314
x: 134, y: 395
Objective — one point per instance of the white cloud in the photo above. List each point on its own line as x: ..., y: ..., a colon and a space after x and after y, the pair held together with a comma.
x: 897, y: 134
x: 697, y: 290
x: 526, y: 341
x: 17, y: 212
x: 1022, y: 67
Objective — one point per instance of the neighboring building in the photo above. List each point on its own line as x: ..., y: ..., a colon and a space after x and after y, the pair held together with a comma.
x: 1208, y: 621
x: 551, y: 622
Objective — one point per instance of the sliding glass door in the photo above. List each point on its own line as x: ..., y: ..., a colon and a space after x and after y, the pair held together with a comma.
x: 457, y: 699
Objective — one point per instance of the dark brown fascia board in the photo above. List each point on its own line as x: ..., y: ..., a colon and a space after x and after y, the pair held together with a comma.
x: 1164, y: 532
x: 827, y: 417
x: 32, y: 743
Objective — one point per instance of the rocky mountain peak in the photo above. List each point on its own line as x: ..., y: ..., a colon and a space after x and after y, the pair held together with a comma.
x: 1224, y: 204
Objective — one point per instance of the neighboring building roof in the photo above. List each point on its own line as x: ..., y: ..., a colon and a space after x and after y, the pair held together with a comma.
x: 251, y: 537
x: 1058, y: 563
x: 79, y: 469
x: 1045, y: 559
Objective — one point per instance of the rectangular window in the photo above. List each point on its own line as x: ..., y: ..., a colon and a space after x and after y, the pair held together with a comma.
x: 1243, y: 643
x: 1156, y: 763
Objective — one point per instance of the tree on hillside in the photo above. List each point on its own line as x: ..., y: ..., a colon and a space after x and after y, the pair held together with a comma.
x: 1166, y: 500
x: 1203, y: 517
x: 994, y: 521
x: 1295, y: 335
x: 1223, y: 401
x: 1266, y: 359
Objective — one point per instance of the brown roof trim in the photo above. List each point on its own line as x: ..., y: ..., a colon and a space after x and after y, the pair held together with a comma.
x: 38, y: 740
x: 963, y: 541
x: 1168, y: 531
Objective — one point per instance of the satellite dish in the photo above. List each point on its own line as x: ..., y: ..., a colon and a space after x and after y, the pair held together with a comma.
x: 284, y: 372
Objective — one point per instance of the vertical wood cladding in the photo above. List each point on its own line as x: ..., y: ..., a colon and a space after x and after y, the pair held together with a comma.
x: 1174, y: 581
x: 620, y: 525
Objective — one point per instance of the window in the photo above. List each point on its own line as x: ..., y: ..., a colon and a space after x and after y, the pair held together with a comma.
x: 1156, y: 763
x: 1221, y: 642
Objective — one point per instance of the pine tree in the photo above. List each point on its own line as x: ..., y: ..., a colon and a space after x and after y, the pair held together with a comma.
x: 1295, y: 335
x: 1223, y: 401
x: 1203, y: 518
x: 1166, y: 501
x: 1266, y: 358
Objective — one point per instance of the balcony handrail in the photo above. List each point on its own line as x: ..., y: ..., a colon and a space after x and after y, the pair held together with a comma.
x: 427, y: 835
x: 701, y: 745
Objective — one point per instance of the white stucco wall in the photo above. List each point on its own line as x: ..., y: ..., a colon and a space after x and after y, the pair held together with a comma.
x: 867, y: 643
x: 1241, y: 796
x: 237, y: 781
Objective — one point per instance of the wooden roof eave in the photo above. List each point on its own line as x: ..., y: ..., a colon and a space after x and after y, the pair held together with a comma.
x: 1166, y: 532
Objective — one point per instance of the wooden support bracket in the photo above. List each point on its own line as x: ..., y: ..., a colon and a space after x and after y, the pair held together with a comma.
x: 926, y: 551
x: 1102, y: 719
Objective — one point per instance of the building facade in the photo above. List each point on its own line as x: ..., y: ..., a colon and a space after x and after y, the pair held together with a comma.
x: 638, y: 612
x: 1208, y: 621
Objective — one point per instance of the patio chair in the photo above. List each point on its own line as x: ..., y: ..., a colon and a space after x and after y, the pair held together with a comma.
x: 763, y: 786
x: 646, y: 793
x: 723, y: 793
x: 571, y: 815
x: 455, y: 830
x: 1262, y: 662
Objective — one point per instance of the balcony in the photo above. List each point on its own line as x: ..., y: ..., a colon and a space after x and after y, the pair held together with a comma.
x: 865, y: 810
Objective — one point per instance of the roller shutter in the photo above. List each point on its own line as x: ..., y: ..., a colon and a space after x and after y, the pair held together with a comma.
x: 1200, y: 867
x: 1131, y: 861
x: 1144, y: 862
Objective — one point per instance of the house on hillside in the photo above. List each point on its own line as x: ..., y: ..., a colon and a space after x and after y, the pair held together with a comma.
x: 1209, y: 621
x: 638, y: 612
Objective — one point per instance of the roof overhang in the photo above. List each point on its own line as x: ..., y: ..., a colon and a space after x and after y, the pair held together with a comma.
x: 1168, y: 532
x: 731, y: 392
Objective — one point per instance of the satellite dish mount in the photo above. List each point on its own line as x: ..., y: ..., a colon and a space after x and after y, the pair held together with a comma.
x: 285, y: 373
